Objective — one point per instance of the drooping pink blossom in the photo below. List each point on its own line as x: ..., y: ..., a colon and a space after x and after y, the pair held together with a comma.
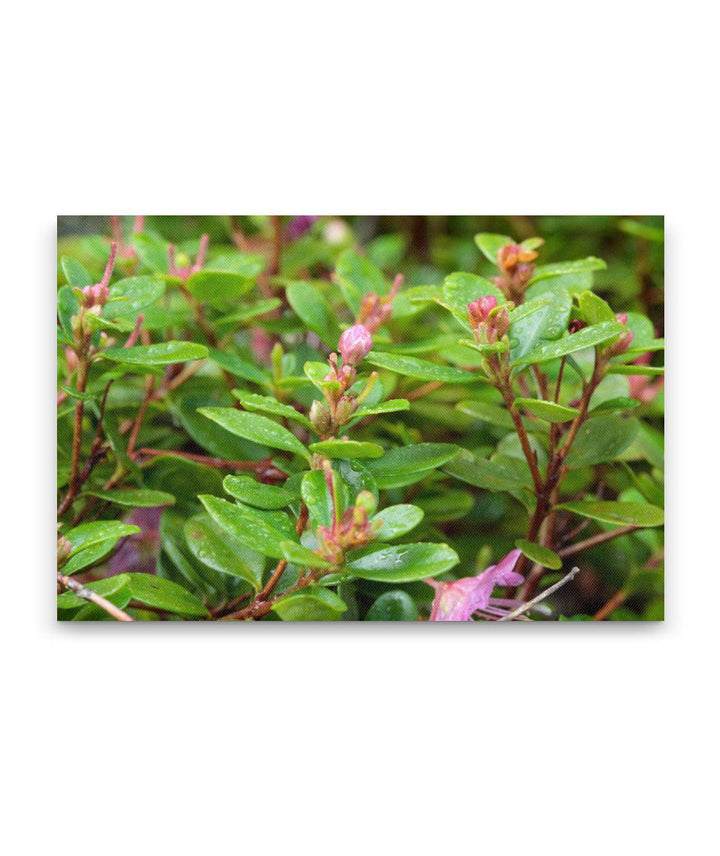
x: 461, y: 599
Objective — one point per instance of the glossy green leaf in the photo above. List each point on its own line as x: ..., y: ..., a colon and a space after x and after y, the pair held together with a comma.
x: 217, y: 287
x: 601, y: 439
x: 312, y: 308
x: 134, y: 497
x: 247, y: 525
x: 490, y: 244
x: 87, y: 534
x: 594, y: 309
x: 408, y: 464
x: 252, y: 492
x: 162, y: 354
x: 316, y: 495
x: 490, y: 413
x: 115, y: 589
x: 588, y: 337
x: 358, y: 276
x: 393, y: 605
x: 547, y: 321
x: 420, y: 369
x: 617, y: 513
x: 347, y: 449
x: 75, y: 273
x: 152, y: 251
x: 88, y: 557
x: 302, y: 556
x: 403, y: 563
x: 547, y: 410
x: 648, y: 371
x: 537, y: 553
x: 216, y: 548
x: 238, y: 366
x: 397, y: 520
x: 484, y: 473
x: 268, y: 404
x: 393, y: 405
x: 257, y: 428
x: 312, y: 603
x: 459, y: 289
x: 129, y: 296
x: 164, y: 594
x: 563, y: 268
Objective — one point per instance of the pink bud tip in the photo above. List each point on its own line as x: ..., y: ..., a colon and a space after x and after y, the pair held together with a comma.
x: 355, y: 343
x: 622, y: 317
x: 480, y: 309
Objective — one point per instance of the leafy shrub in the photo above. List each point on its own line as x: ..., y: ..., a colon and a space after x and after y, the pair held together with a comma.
x: 264, y: 418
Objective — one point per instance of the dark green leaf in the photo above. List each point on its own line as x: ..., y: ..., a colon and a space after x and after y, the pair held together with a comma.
x: 547, y: 410
x: 347, y: 449
x: 537, y: 553
x: 257, y: 428
x: 161, y: 354
x: 601, y: 439
x: 312, y: 603
x: 408, y: 464
x: 397, y: 520
x: 421, y: 369
x: 588, y: 337
x: 394, y: 605
x: 216, y: 548
x: 134, y: 497
x: 255, y: 493
x: 87, y: 534
x: 617, y: 513
x: 249, y: 526
x: 312, y: 308
x: 164, y: 594
x: 403, y: 563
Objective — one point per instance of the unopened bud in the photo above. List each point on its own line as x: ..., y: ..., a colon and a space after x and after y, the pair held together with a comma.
x: 355, y: 343
x: 622, y: 317
x: 500, y: 321
x: 366, y: 500
x: 479, y: 310
x: 64, y: 548
x: 576, y: 325
x: 320, y: 417
x: 622, y: 344
x: 345, y: 409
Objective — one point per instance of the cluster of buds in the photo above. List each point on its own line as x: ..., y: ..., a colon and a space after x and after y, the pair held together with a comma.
x: 350, y: 532
x: 181, y: 265
x: 516, y: 270
x: 623, y: 343
x: 94, y: 297
x: 489, y: 321
x: 354, y: 345
x: 376, y: 310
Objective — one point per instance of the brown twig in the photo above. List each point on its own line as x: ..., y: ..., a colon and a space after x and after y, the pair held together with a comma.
x: 93, y: 597
x: 601, y: 538
x: 618, y: 599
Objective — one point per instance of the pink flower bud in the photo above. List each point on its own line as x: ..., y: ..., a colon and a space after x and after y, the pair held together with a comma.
x: 480, y: 309
x: 355, y: 344
x: 622, y: 317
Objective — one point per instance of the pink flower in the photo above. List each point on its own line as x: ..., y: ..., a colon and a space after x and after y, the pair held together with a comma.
x: 355, y: 343
x: 461, y: 599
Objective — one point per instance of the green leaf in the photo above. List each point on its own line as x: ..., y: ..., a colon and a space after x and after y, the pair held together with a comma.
x: 397, y: 520
x: 403, y: 563
x: 537, y: 553
x: 257, y: 428
x: 217, y: 287
x: 164, y: 594
x: 165, y: 353
x: 249, y: 526
x: 238, y: 366
x: 483, y: 473
x: 135, y: 498
x: 316, y: 496
x: 247, y: 264
x: 588, y: 337
x: 216, y: 548
x: 129, y: 296
x: 316, y: 372
x: 489, y: 244
x: 594, y: 309
x: 649, y: 371
x: 408, y: 464
x: 547, y: 410
x: 490, y: 413
x: 68, y: 305
x: 601, y: 439
x: 88, y: 557
x: 314, y: 310
x: 261, y: 307
x: 255, y: 493
x: 392, y: 405
x: 563, y: 268
x: 421, y: 369
x: 312, y: 603
x: 151, y: 251
x: 358, y: 276
x: 87, y: 534
x: 617, y: 513
x: 347, y: 449
x: 268, y: 404
x: 396, y: 605
x: 76, y: 275
x: 115, y: 589
x: 547, y: 322
x: 302, y: 556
